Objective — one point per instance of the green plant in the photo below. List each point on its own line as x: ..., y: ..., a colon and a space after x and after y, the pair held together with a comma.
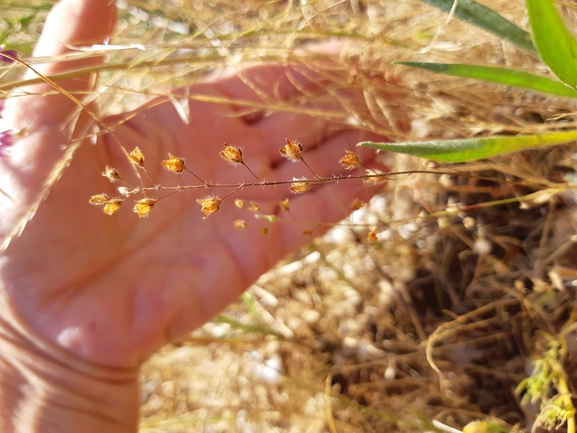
x: 554, y: 44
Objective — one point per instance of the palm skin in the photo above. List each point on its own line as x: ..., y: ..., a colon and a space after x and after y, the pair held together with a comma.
x: 113, y: 289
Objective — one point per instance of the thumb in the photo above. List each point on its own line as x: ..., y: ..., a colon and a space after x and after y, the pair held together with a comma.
x: 44, y: 123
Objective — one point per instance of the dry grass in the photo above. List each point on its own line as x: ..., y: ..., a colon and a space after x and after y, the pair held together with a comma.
x: 437, y: 319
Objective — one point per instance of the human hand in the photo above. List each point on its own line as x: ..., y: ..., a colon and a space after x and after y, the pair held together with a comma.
x: 87, y: 297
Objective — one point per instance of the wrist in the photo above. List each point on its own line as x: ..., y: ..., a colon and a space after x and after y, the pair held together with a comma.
x: 46, y: 389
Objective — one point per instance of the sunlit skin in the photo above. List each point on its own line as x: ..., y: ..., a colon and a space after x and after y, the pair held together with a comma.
x: 103, y: 293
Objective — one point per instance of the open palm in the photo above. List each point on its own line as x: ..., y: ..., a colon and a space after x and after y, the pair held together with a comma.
x: 113, y: 289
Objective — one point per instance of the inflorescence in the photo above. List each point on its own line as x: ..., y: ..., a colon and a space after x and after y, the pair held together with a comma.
x: 292, y: 151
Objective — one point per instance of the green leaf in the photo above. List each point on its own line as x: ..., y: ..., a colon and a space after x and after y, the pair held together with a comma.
x: 556, y: 45
x: 471, y: 149
x: 509, y: 77
x: 487, y: 19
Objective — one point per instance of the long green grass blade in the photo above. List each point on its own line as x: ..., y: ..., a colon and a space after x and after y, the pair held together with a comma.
x: 556, y: 45
x: 509, y: 77
x: 471, y: 149
x: 487, y: 19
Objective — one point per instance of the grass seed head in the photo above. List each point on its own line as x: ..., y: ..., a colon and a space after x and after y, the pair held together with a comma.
x: 175, y: 164
x: 209, y: 205
x: 239, y: 203
x: 292, y: 150
x: 137, y: 157
x: 112, y: 206
x: 232, y: 155
x: 263, y: 231
x: 300, y: 185
x: 144, y: 206
x: 350, y: 160
x: 111, y: 174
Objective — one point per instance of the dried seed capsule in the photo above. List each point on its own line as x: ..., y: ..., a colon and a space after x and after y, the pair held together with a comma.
x: 357, y: 204
x: 209, y: 205
x: 111, y: 174
x: 262, y: 231
x: 112, y: 206
x: 300, y: 185
x: 239, y: 224
x: 372, y: 236
x: 376, y: 176
x: 232, y: 155
x: 292, y: 150
x: 99, y: 200
x: 144, y: 206
x: 137, y: 157
x: 350, y: 160
x: 285, y: 205
x: 174, y: 164
x: 253, y: 206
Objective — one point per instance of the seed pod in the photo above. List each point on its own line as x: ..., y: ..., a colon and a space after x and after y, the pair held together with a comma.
x: 144, y: 206
x: 263, y: 231
x: 285, y: 205
x: 112, y: 206
x: 253, y: 206
x: 174, y: 164
x: 372, y: 236
x: 137, y: 157
x: 377, y: 176
x: 350, y: 160
x: 239, y: 224
x: 209, y: 205
x: 99, y: 200
x: 356, y: 204
x: 300, y: 185
x: 111, y: 174
x: 232, y: 155
x: 292, y: 150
